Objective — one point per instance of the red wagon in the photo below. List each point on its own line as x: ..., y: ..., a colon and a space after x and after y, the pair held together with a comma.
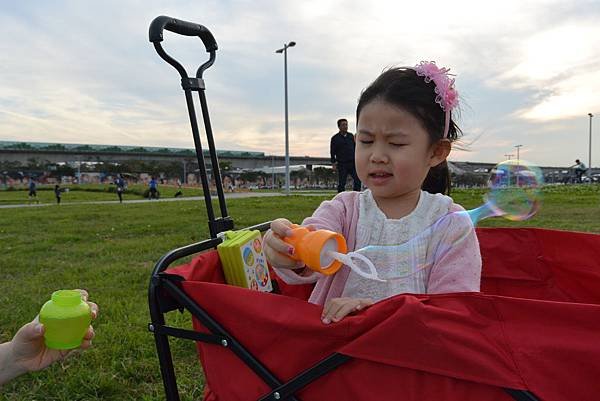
x: 531, y: 334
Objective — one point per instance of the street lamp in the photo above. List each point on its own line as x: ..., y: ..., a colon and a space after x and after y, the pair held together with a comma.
x: 590, y: 149
x: 78, y: 170
x: 518, y: 147
x: 508, y: 156
x: 272, y: 172
x: 287, y: 145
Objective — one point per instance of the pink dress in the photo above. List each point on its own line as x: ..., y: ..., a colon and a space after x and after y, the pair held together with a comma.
x: 457, y: 269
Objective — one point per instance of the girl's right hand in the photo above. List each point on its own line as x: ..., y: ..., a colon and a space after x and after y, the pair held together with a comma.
x: 337, y: 308
x: 277, y: 251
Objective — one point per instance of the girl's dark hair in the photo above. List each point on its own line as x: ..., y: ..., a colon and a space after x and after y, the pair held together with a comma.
x: 402, y: 87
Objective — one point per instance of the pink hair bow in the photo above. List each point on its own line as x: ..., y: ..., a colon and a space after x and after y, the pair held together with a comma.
x: 446, y: 94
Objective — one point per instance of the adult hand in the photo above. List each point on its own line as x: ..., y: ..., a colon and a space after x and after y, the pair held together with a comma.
x: 28, y: 351
x: 277, y: 251
x: 334, y: 166
x: 337, y: 308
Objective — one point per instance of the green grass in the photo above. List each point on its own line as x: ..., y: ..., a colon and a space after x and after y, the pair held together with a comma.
x: 575, y: 207
x: 100, y: 192
x: 46, y: 195
x: 110, y: 250
x: 167, y: 191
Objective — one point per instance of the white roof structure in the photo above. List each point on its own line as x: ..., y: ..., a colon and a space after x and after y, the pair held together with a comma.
x: 455, y: 170
x: 276, y: 169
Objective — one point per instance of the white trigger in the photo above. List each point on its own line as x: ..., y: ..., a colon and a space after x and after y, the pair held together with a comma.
x: 347, y: 259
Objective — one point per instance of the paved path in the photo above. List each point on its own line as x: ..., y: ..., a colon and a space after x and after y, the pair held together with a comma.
x: 234, y: 195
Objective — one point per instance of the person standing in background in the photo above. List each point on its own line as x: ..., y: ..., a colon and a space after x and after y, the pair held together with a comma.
x: 57, y: 193
x: 153, y: 188
x: 120, y: 183
x: 342, y: 156
x: 33, y: 191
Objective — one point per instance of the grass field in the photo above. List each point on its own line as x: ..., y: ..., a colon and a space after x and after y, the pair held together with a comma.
x: 88, y: 193
x: 110, y: 250
x: 103, y: 192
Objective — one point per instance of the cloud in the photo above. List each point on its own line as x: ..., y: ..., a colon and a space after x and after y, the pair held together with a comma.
x: 86, y: 72
x: 562, y: 65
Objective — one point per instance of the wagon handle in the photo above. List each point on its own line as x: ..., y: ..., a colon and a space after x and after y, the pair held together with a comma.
x: 189, y: 85
x: 182, y: 28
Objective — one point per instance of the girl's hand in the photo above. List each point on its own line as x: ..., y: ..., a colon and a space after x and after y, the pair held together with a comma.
x: 337, y: 308
x: 277, y: 251
x: 29, y: 353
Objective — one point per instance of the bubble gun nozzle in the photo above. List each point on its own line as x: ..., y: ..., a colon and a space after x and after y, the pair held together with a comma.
x: 314, y: 248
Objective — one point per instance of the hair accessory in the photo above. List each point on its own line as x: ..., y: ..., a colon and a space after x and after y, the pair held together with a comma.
x: 446, y: 94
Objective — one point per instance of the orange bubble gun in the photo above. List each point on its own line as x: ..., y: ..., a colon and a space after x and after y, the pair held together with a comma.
x: 314, y: 248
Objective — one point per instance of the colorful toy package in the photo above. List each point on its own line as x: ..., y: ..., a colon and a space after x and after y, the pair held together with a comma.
x: 243, y: 260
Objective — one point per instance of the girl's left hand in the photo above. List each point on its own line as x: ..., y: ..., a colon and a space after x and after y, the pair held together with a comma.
x: 337, y: 308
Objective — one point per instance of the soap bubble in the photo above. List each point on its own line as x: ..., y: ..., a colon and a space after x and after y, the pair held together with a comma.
x: 515, y: 190
x: 514, y: 193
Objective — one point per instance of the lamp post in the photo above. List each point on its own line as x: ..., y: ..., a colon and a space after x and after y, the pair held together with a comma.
x: 518, y: 162
x: 78, y: 170
x: 508, y: 156
x: 272, y: 172
x: 590, y: 147
x: 287, y: 145
x: 518, y: 147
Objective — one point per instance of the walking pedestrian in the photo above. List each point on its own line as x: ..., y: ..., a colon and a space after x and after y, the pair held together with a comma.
x: 120, y: 183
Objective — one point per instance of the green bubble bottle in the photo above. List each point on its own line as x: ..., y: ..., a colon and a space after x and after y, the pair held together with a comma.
x: 66, y: 317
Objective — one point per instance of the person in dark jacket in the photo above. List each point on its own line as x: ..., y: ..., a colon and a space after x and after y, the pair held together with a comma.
x: 342, y: 156
x: 121, y: 184
x: 57, y: 193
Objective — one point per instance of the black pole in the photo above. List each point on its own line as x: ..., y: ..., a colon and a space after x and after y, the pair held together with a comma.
x: 213, y: 154
x: 200, y: 157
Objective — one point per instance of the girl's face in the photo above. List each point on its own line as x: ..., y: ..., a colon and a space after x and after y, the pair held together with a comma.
x: 393, y: 153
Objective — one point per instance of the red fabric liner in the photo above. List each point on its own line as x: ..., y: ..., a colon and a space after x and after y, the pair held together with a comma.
x: 534, y: 326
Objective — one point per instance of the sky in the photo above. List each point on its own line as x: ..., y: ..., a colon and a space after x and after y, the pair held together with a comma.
x: 528, y: 72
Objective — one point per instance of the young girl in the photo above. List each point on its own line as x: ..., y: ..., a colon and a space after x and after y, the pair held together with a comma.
x: 404, y: 134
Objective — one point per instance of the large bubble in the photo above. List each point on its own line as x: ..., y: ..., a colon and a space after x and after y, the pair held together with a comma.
x: 513, y: 192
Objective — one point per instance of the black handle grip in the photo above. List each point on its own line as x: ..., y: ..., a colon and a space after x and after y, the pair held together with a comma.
x: 183, y: 28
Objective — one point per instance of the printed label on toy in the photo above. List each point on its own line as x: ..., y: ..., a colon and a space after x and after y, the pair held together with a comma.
x: 255, y: 266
